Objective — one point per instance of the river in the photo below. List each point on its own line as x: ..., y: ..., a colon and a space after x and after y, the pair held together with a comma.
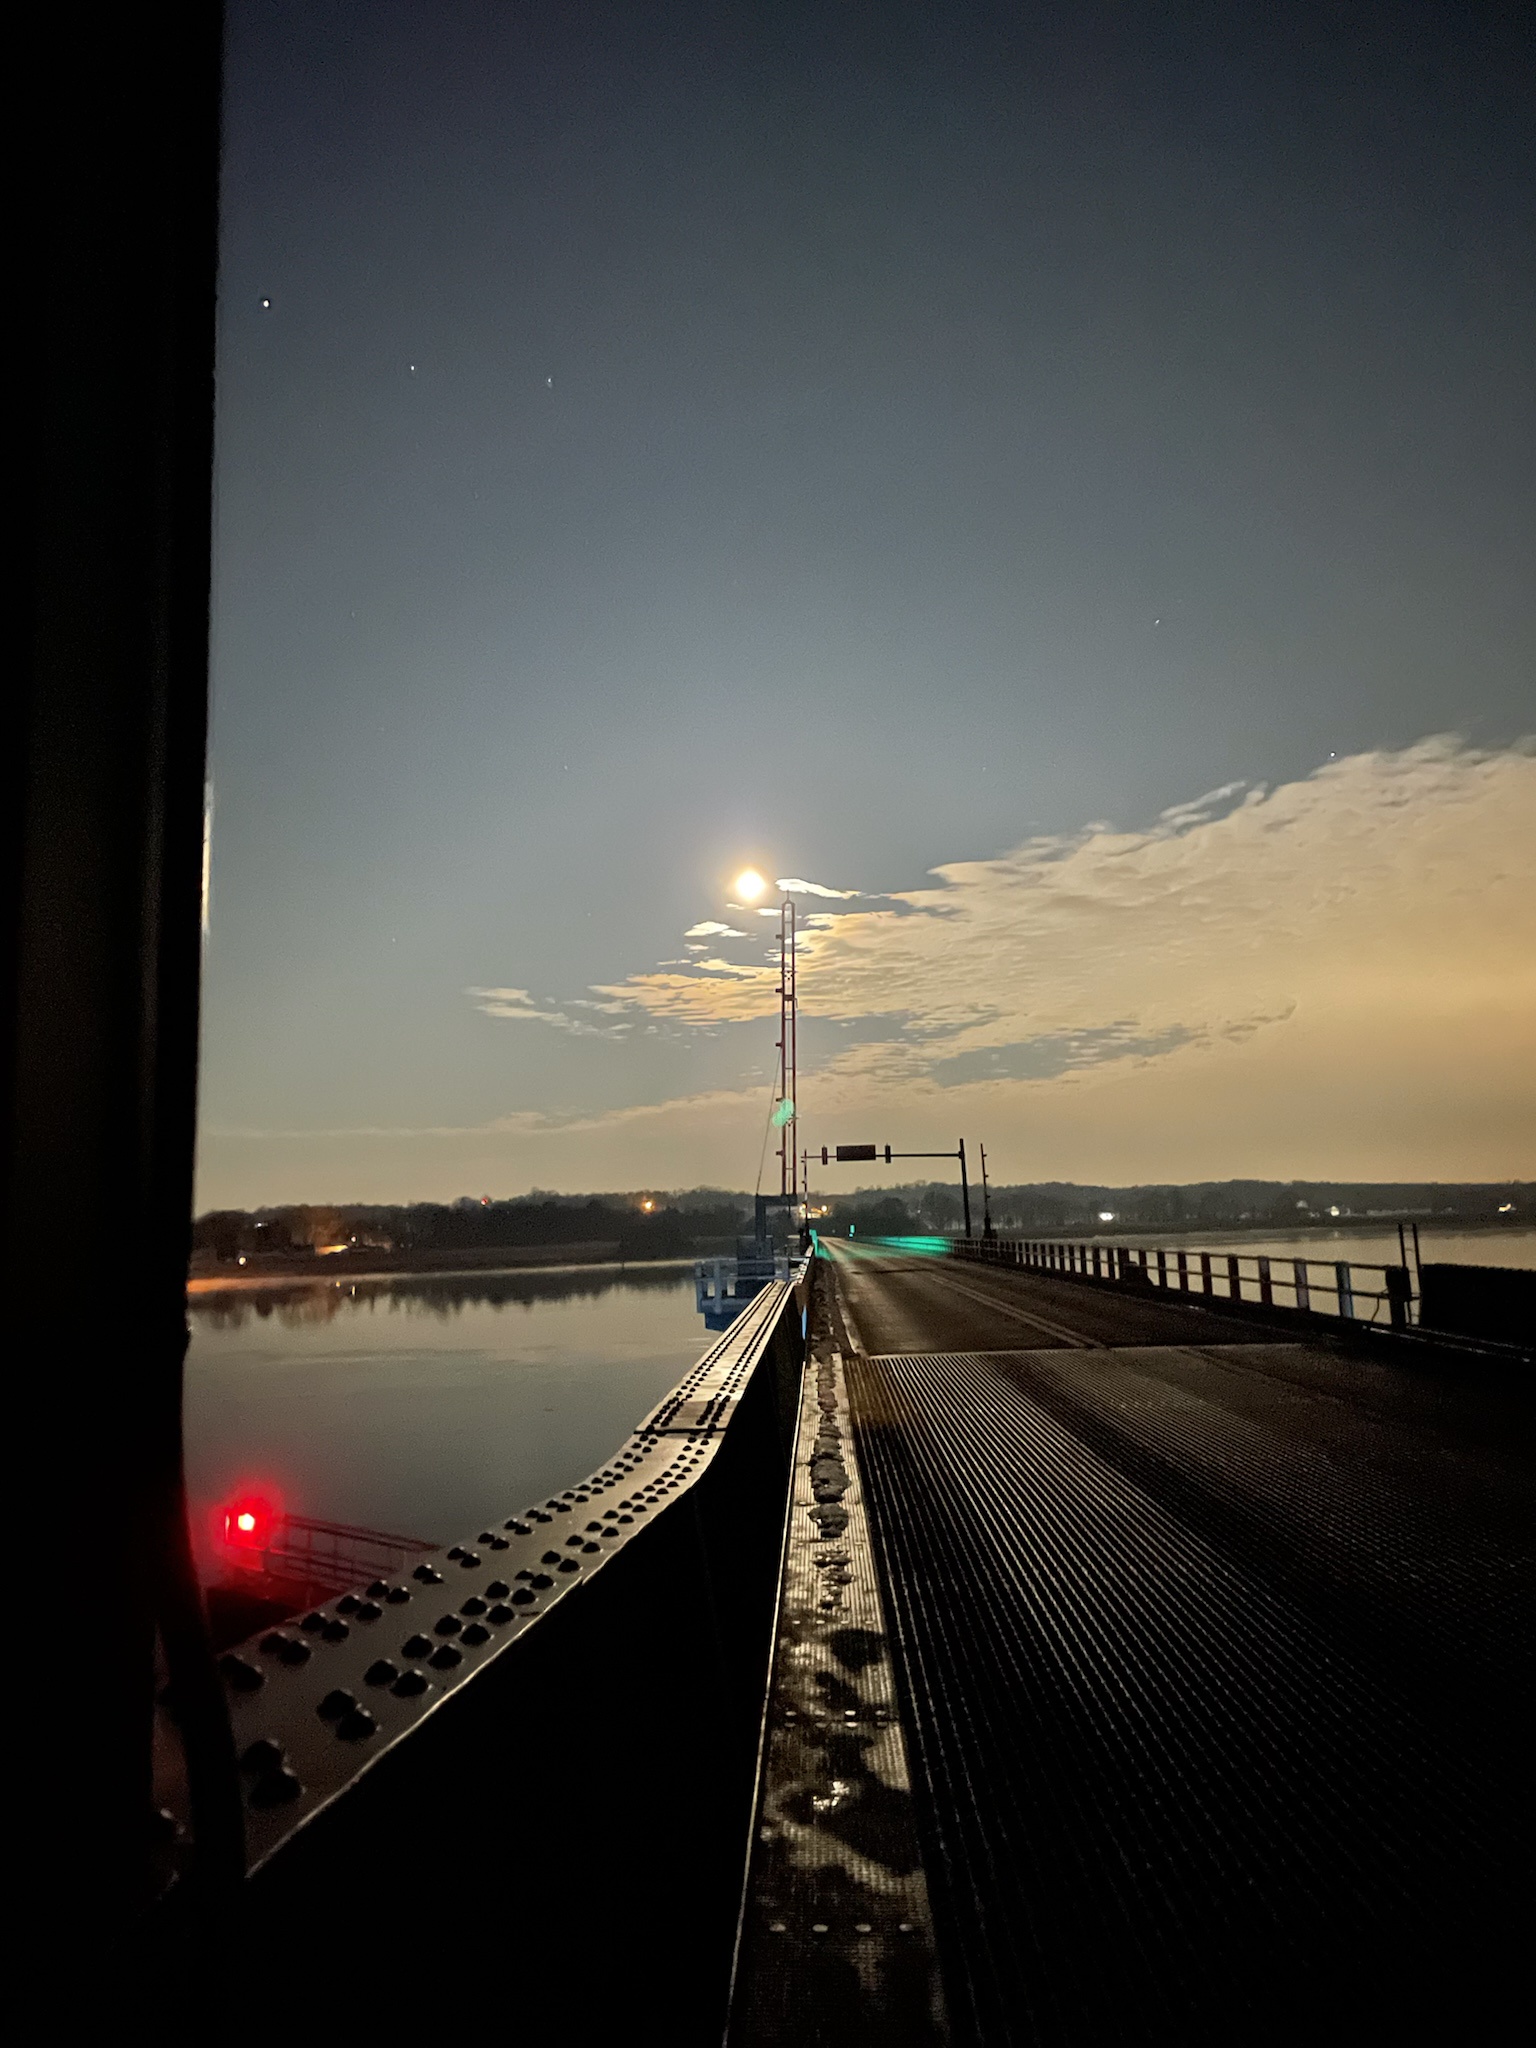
x: 426, y: 1405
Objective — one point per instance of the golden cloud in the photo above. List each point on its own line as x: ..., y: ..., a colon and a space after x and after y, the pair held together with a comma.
x: 1336, y: 977
x: 1363, y: 883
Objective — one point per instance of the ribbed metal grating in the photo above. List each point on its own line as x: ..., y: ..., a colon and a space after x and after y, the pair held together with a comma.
x: 1170, y: 1785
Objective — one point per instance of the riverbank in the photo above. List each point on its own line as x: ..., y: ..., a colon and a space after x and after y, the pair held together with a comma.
x: 208, y: 1276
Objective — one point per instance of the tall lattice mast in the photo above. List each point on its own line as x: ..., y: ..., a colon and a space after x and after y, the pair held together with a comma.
x: 789, y: 1031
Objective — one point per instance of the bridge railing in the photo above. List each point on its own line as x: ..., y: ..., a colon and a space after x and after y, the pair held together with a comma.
x: 1351, y: 1289
x: 328, y: 1557
x: 559, y: 1714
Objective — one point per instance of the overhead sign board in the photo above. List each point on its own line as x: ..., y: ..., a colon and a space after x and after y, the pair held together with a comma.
x: 857, y: 1152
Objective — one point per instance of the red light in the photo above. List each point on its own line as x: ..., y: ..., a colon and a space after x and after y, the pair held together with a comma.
x: 247, y: 1523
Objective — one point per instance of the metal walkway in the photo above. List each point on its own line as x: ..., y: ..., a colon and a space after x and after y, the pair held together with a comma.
x: 1212, y: 1655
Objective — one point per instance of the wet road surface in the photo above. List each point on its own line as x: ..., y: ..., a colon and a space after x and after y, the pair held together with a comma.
x: 1213, y: 1650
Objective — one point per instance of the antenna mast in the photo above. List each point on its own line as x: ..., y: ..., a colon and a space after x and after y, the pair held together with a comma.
x: 789, y: 1032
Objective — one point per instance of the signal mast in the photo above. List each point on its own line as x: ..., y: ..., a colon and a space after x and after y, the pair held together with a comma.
x: 789, y: 1017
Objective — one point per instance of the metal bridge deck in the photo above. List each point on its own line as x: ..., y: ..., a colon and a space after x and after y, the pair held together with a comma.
x: 1211, y: 1654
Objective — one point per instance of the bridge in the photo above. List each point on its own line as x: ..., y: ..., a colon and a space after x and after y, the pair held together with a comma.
x: 1208, y: 1640
x: 966, y: 1650
x: 975, y: 1645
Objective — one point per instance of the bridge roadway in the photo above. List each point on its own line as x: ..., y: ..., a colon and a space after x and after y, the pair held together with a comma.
x: 1213, y: 1650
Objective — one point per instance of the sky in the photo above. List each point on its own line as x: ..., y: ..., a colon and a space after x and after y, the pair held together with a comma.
x: 1055, y: 488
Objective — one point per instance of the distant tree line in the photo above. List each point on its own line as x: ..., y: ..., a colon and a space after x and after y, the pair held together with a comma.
x: 678, y: 1224
x: 669, y: 1229
x: 1054, y: 1207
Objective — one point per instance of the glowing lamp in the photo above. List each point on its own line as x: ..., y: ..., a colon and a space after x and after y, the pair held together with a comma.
x: 247, y: 1523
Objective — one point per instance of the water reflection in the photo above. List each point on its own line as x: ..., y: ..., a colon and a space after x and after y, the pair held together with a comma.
x: 427, y: 1402
x: 443, y: 1295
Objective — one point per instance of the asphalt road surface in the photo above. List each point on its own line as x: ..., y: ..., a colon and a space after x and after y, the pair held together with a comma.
x: 1213, y: 1649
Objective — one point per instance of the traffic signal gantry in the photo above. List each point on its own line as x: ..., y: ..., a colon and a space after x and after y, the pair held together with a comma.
x: 844, y: 1154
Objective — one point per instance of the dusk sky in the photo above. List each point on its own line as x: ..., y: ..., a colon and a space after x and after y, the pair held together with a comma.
x: 1061, y: 481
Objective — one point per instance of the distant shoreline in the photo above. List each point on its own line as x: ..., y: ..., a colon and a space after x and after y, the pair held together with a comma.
x: 285, y: 1272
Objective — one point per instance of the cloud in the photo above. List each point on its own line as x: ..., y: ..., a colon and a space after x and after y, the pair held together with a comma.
x: 1351, y: 909
x: 516, y: 1005
x: 1333, y: 975
x: 796, y: 888
x: 1332, y: 978
x: 711, y: 928
x: 1036, y: 1059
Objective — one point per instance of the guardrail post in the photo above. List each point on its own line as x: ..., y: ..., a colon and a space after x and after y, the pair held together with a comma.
x: 1183, y: 1273
x: 1344, y: 1282
x: 1205, y: 1273
x: 1399, y: 1294
x: 1266, y: 1288
x: 1162, y: 1267
x: 1303, y: 1285
x: 1234, y: 1278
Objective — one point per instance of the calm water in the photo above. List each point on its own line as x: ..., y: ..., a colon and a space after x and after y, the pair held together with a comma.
x: 427, y: 1405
